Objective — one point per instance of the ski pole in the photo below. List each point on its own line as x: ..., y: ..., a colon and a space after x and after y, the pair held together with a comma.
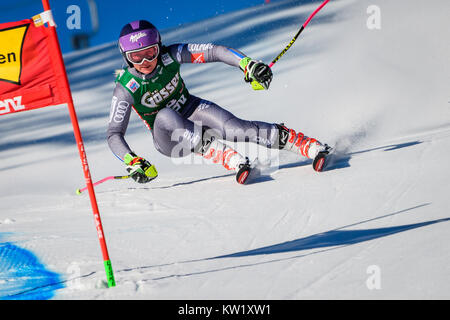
x: 298, y: 33
x: 79, y: 191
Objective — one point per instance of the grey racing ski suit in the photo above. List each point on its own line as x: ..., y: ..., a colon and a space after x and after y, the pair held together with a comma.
x: 184, y: 126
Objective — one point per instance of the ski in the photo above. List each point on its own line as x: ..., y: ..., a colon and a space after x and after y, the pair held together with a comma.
x: 249, y: 171
x: 322, y: 159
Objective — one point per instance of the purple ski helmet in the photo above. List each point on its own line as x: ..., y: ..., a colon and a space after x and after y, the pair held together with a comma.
x: 137, y: 35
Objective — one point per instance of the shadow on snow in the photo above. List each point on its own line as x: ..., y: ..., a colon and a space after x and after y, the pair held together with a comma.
x: 326, y: 241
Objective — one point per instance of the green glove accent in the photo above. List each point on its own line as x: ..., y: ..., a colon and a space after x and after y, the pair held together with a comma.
x: 140, y: 169
x: 244, y: 62
x: 257, y: 86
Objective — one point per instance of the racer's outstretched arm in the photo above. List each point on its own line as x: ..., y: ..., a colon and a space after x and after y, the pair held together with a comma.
x: 256, y: 72
x: 205, y: 52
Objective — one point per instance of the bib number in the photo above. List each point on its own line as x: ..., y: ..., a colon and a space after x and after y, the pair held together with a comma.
x: 177, y: 104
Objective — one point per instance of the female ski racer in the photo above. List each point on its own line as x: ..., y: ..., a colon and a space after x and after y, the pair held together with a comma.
x: 182, y: 123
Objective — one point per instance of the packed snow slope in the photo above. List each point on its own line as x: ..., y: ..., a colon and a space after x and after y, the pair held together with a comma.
x: 376, y: 225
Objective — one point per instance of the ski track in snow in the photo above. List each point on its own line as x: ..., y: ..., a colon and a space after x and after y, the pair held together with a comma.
x: 193, y: 233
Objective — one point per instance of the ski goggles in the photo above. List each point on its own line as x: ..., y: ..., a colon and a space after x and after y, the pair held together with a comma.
x: 149, y: 54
